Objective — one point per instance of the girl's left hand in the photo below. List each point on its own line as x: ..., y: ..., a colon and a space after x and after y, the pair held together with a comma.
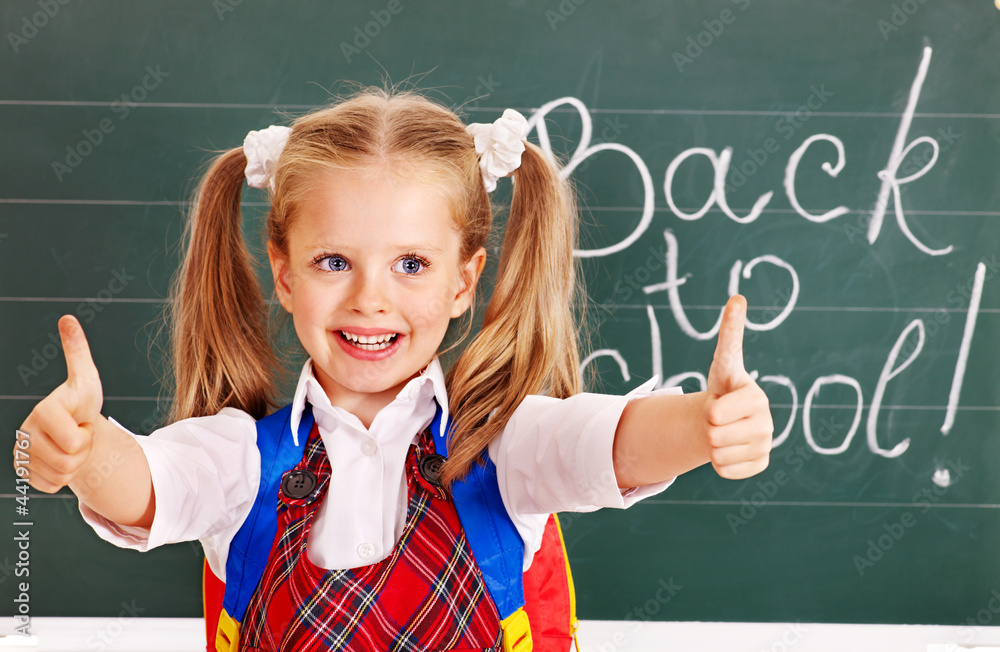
x: 738, y: 423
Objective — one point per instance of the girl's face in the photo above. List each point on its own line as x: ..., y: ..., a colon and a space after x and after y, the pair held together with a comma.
x: 372, y: 279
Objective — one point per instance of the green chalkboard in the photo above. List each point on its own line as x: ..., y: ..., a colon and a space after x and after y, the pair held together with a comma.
x: 875, y: 331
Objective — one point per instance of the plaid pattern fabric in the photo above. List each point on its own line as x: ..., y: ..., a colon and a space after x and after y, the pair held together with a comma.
x: 428, y: 594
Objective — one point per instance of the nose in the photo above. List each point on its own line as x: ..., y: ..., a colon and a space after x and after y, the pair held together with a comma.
x: 368, y: 295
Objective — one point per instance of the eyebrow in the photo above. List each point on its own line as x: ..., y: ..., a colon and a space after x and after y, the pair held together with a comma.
x: 323, y: 246
x: 424, y: 247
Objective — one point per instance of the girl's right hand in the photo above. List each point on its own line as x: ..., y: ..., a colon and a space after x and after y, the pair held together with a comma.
x: 61, y: 426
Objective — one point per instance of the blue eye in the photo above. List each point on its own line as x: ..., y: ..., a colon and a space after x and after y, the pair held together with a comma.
x: 333, y: 263
x: 410, y: 265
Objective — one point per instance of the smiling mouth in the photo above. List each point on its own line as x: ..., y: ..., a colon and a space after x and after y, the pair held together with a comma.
x: 369, y: 342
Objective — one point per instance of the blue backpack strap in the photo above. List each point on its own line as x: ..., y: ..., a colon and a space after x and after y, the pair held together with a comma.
x: 251, y: 547
x: 495, y: 541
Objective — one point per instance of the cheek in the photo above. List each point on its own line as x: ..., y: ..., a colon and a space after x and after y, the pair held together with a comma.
x: 432, y: 310
x: 309, y: 306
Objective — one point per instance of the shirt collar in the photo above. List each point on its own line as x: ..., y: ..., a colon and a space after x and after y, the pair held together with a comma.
x: 308, y: 390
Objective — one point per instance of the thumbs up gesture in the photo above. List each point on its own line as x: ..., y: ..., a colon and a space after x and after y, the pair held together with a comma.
x: 738, y: 419
x: 61, y: 426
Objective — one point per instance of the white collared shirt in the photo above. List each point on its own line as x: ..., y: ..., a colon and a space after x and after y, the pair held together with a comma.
x: 554, y: 455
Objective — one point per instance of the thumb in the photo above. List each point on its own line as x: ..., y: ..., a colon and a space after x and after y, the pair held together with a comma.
x: 727, y: 372
x: 82, y: 377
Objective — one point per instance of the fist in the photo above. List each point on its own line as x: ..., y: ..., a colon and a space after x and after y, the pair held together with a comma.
x: 738, y: 424
x: 61, y: 427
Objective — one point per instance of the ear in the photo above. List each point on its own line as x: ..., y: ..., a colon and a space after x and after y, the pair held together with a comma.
x: 469, y: 273
x: 281, y: 274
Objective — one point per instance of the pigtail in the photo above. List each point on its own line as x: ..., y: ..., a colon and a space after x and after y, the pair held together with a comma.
x: 219, y: 347
x: 528, y: 341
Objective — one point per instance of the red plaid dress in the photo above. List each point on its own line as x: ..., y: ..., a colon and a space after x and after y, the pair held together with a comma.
x: 428, y: 594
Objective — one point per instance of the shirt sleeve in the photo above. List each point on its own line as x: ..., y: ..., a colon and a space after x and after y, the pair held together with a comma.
x: 205, y: 474
x: 555, y: 455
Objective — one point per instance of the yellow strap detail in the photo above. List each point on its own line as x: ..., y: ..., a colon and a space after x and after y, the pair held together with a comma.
x: 227, y: 639
x: 516, y: 632
x: 204, y: 593
x: 574, y: 624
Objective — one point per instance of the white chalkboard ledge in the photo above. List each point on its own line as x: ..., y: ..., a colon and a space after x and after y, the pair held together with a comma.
x: 187, y: 635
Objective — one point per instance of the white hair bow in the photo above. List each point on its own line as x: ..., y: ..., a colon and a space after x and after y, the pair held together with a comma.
x: 499, y: 146
x: 262, y: 149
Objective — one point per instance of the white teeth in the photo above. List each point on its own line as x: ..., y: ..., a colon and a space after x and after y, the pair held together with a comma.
x: 370, y: 342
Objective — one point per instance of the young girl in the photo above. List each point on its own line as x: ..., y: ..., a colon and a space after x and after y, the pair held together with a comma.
x: 376, y: 240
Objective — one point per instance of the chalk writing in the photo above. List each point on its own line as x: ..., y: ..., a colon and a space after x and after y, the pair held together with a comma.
x: 910, y: 342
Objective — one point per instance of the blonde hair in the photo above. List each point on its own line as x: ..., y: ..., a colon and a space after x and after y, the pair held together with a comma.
x: 220, y: 345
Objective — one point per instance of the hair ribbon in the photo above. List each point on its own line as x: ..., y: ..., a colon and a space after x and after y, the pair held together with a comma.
x: 262, y: 149
x: 499, y: 146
